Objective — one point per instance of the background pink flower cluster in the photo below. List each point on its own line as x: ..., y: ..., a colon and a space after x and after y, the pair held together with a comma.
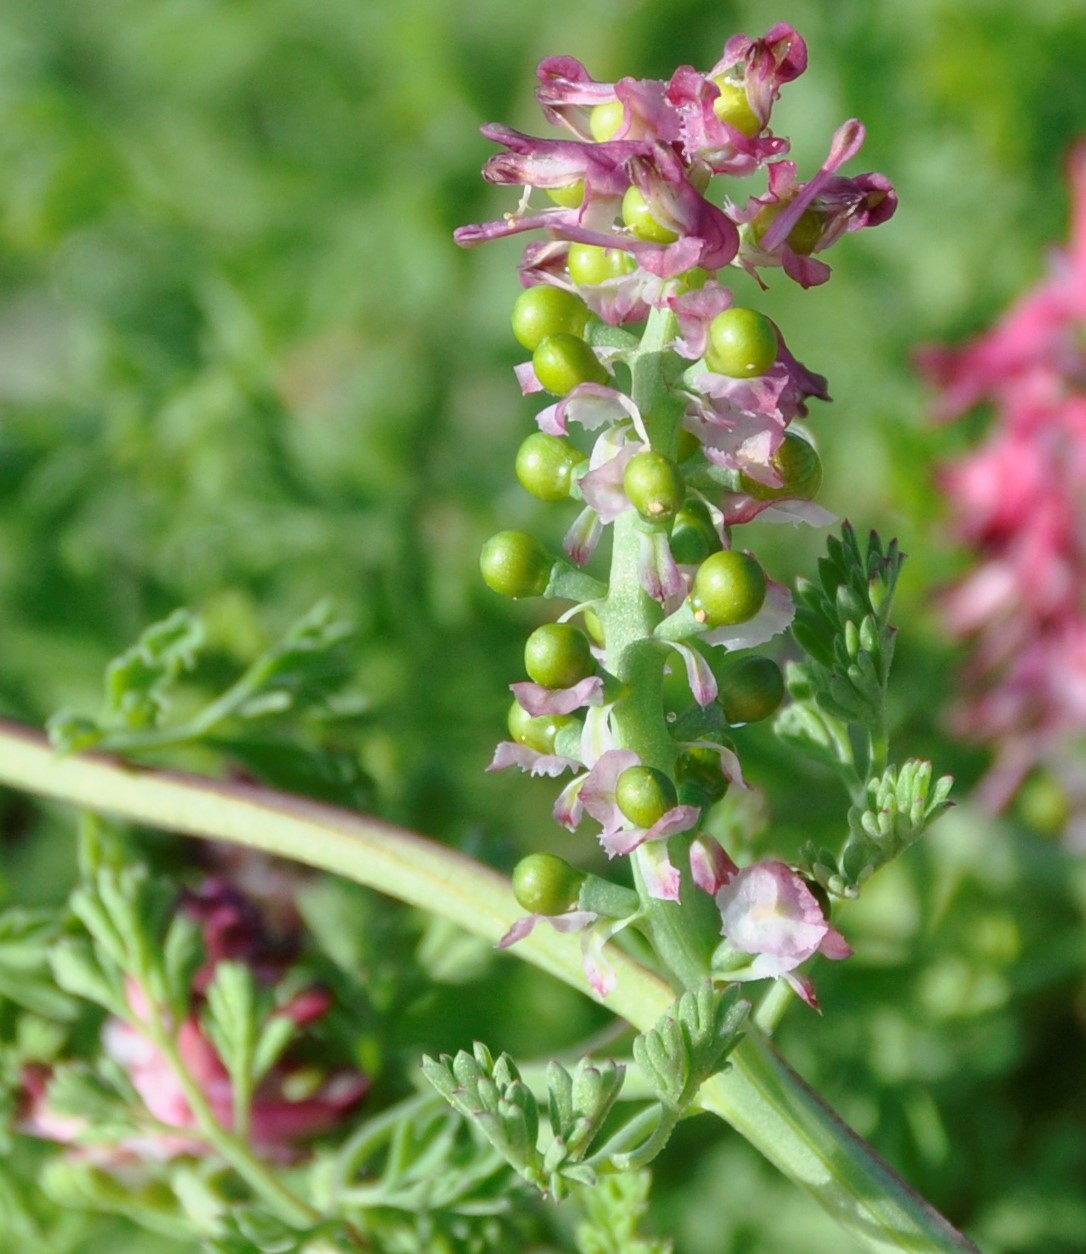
x: 1019, y: 501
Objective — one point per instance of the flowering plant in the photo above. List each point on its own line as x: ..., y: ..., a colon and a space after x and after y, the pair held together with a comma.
x: 211, y: 1079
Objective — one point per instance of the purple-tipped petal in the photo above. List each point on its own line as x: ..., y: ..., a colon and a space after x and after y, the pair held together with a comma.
x: 509, y: 753
x: 699, y: 675
x: 538, y: 700
x: 710, y: 866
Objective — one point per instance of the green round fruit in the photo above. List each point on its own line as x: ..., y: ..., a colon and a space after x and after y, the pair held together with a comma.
x: 558, y: 655
x: 729, y: 588
x: 645, y: 795
x: 751, y: 689
x: 563, y: 361
x: 592, y: 263
x: 515, y: 564
x: 537, y: 732
x: 804, y: 236
x: 569, y: 197
x: 546, y: 466
x: 742, y: 343
x: 800, y: 468
x: 693, y: 536
x: 605, y: 121
x: 544, y: 310
x: 638, y: 217
x: 733, y: 106
x: 545, y: 884
x: 701, y: 781
x: 654, y: 486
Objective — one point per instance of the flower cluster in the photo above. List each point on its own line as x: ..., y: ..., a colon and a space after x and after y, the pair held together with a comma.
x: 1019, y: 501
x: 705, y: 439
x: 294, y: 1099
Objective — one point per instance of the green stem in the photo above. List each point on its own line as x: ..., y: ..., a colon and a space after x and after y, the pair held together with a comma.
x: 759, y: 1094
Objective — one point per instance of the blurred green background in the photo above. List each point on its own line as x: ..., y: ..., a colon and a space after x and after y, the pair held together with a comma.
x: 243, y: 367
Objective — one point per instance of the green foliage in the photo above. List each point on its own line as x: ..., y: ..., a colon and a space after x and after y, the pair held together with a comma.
x: 615, y: 1210
x: 843, y: 624
x: 901, y: 805
x: 691, y: 1043
x: 25, y: 974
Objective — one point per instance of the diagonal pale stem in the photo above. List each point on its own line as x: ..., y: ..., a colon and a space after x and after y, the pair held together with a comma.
x: 760, y: 1095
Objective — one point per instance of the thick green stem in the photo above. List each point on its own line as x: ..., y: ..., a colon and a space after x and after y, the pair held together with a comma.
x: 759, y: 1094
x: 636, y: 658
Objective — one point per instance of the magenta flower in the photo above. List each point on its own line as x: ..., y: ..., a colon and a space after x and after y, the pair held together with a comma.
x: 794, y: 220
x: 1019, y: 502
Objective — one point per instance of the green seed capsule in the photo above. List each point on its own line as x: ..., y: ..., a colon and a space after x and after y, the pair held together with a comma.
x: 515, y: 564
x: 605, y: 121
x: 802, y: 238
x: 644, y: 795
x: 742, y: 343
x: 638, y: 217
x: 733, y: 106
x: 693, y: 536
x: 562, y: 361
x: 544, y: 310
x: 546, y: 464
x: 654, y: 486
x: 545, y: 884
x: 569, y: 197
x: 750, y: 689
x: 701, y: 781
x: 557, y: 655
x: 538, y: 733
x: 800, y: 468
x: 592, y: 263
x: 729, y: 588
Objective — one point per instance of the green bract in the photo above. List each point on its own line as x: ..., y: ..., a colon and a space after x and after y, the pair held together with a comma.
x: 654, y: 485
x: 593, y: 626
x: 557, y: 655
x: 729, y: 588
x: 545, y: 465
x: 544, y: 310
x: 800, y: 468
x: 592, y: 263
x: 543, y: 883
x: 742, y: 343
x: 537, y: 733
x: 564, y: 360
x: 638, y: 217
x: 515, y: 564
x: 751, y: 689
x: 644, y: 795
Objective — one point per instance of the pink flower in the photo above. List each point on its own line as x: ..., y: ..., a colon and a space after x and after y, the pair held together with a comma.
x: 772, y: 923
